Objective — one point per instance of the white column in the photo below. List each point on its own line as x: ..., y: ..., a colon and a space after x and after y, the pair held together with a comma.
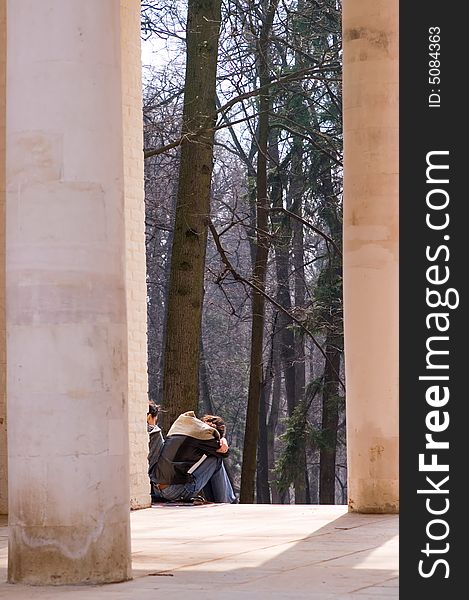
x: 370, y: 99
x: 3, y: 416
x: 67, y: 380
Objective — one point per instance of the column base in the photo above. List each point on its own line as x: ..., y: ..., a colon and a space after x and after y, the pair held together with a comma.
x: 374, y: 496
x: 68, y: 555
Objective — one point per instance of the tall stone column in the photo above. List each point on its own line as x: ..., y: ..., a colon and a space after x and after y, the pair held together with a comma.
x: 370, y: 96
x: 3, y: 416
x: 67, y: 381
x: 135, y: 251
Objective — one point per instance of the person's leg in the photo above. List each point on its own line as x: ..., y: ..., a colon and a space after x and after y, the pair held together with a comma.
x: 156, y: 495
x: 203, y: 475
x: 207, y: 492
x: 173, y: 492
x: 200, y: 477
x: 222, y: 489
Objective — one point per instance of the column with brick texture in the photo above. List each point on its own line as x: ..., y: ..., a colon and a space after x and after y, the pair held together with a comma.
x: 135, y: 251
x: 371, y: 303
x: 67, y: 360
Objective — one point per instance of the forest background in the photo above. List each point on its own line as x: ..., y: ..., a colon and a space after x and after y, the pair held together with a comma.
x: 243, y: 197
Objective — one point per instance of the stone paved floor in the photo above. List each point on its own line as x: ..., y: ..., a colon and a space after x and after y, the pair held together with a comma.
x: 240, y: 552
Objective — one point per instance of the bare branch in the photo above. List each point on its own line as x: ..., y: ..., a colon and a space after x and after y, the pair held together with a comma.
x: 226, y: 261
x: 308, y: 224
x: 298, y: 75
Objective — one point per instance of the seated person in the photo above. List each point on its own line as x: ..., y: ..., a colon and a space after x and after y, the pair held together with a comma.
x: 155, y: 442
x: 190, y: 458
x: 219, y: 424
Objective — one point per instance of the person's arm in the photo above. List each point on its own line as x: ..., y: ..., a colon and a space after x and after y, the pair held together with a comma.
x: 223, y: 449
x: 212, y: 447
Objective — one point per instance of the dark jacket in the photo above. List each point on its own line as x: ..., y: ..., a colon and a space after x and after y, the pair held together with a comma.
x: 155, y: 445
x: 188, y: 440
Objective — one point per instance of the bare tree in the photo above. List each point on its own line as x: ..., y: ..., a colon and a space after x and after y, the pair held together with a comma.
x: 184, y: 308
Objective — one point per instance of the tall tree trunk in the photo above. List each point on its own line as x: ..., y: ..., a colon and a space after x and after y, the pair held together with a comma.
x: 330, y: 421
x: 263, y: 462
x: 297, y: 188
x: 334, y: 345
x: 248, y: 470
x: 262, y: 480
x: 184, y: 310
x: 282, y: 240
x: 277, y: 497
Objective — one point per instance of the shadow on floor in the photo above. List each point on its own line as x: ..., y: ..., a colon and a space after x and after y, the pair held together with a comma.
x: 352, y: 556
x: 259, y: 552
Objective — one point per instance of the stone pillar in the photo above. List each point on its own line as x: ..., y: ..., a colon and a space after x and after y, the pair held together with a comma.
x: 370, y: 97
x: 3, y: 416
x: 67, y: 382
x: 135, y: 251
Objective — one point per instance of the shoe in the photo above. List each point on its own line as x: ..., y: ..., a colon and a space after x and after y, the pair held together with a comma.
x: 199, y: 500
x: 235, y: 501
